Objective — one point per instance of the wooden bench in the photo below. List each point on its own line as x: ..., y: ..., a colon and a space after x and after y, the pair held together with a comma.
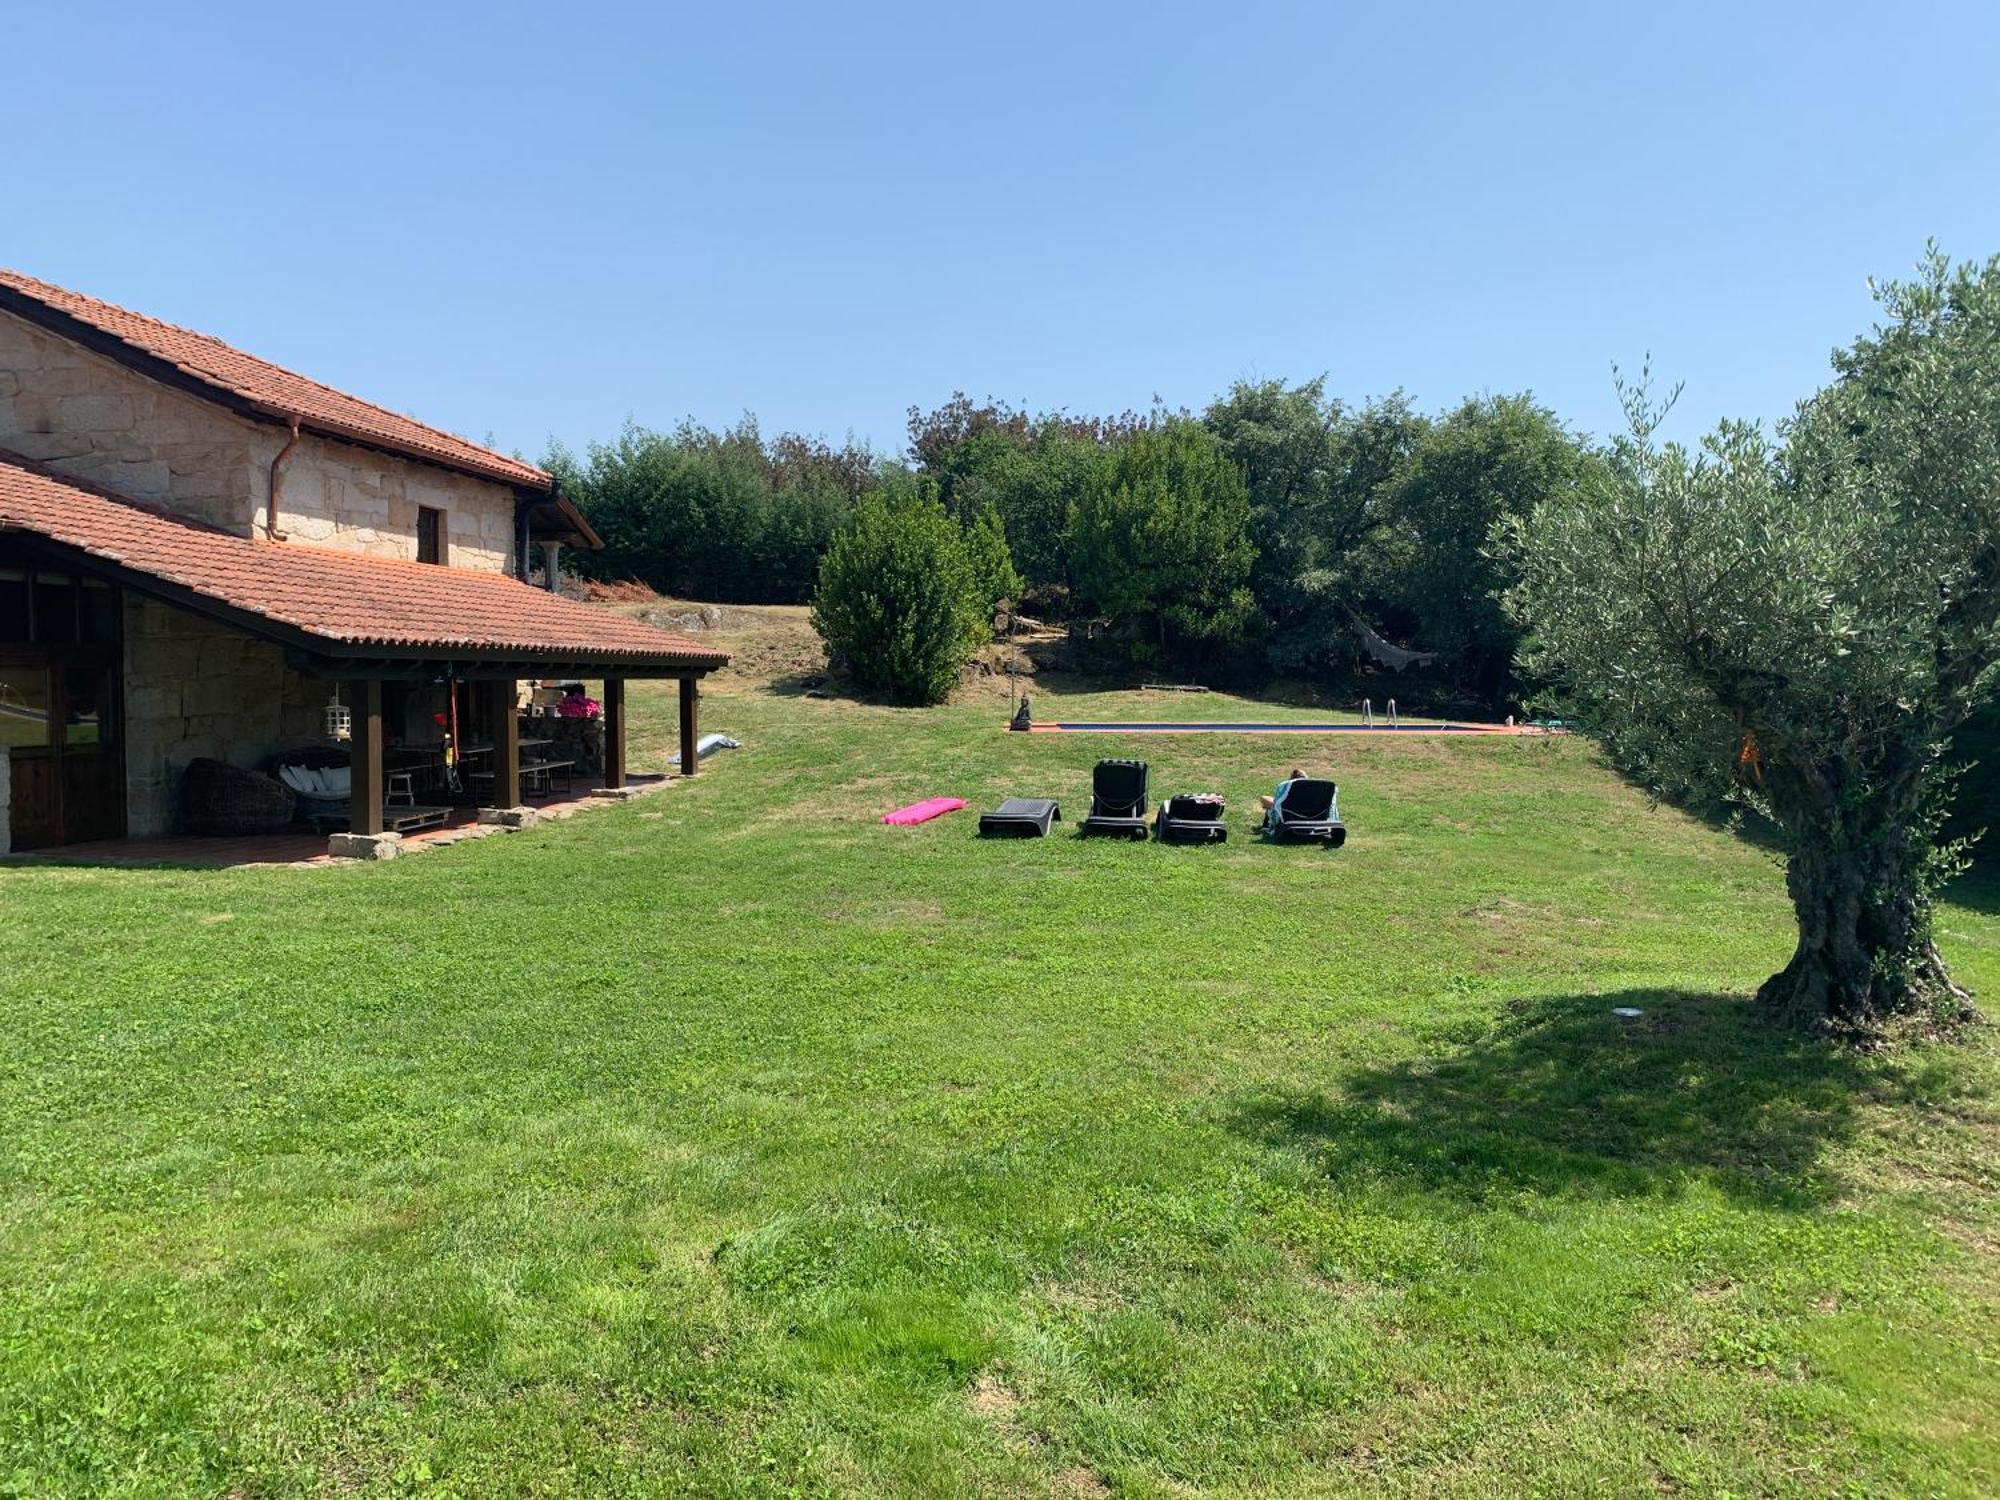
x: 538, y: 777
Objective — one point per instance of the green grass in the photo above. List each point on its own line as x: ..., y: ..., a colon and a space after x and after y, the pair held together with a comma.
x: 728, y: 1143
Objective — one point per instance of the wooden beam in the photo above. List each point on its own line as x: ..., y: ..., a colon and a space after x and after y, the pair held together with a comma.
x: 690, y: 735
x: 614, y: 731
x: 364, y: 807
x: 506, y: 745
x: 347, y: 669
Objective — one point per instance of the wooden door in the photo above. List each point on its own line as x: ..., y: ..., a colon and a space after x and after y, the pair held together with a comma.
x: 27, y: 738
x: 93, y: 763
x: 59, y: 727
x: 60, y: 701
x: 34, y: 815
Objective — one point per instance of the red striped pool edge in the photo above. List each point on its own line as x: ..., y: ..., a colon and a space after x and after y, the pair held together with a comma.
x: 1169, y: 727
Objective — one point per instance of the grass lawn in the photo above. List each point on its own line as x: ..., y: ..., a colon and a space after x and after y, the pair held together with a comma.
x: 728, y: 1143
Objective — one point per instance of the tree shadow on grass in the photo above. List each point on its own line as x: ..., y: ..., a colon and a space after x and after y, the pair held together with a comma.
x: 1563, y: 1099
x: 798, y: 685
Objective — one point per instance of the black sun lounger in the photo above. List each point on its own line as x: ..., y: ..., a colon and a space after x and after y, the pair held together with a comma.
x: 1117, y: 799
x: 1308, y: 810
x: 1020, y: 818
x: 1191, y: 820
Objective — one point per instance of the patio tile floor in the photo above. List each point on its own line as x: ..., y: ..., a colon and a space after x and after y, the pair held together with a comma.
x: 299, y: 848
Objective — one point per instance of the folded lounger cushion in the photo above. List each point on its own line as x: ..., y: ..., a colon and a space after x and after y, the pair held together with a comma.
x: 1020, y: 818
x: 924, y: 811
x: 1306, y: 808
x: 1192, y: 819
x: 1117, y: 799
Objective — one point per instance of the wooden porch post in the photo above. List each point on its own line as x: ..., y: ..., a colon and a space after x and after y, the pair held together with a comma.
x: 614, y: 731
x: 690, y: 692
x: 506, y: 745
x: 364, y: 807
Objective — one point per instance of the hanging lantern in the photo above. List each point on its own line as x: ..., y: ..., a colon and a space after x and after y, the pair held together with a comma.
x: 339, y: 721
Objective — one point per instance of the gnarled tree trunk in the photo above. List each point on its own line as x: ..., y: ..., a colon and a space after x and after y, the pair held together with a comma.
x: 1865, y: 952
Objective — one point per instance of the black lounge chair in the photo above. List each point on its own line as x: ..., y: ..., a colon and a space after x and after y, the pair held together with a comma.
x: 1307, y: 809
x: 1191, y: 819
x: 1117, y: 799
x: 1020, y: 818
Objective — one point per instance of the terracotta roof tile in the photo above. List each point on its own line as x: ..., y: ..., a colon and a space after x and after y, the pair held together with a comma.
x: 272, y: 389
x: 342, y: 599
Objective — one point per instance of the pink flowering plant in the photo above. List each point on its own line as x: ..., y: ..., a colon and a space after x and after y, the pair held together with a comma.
x: 576, y: 706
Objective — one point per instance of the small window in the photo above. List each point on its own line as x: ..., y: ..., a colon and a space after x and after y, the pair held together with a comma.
x: 24, y: 708
x: 87, y: 700
x: 430, y: 534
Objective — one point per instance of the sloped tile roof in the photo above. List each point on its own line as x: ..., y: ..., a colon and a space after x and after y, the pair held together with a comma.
x: 343, y: 601
x: 227, y: 372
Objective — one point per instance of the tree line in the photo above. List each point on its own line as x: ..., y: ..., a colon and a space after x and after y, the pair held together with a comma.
x: 730, y: 516
x: 1278, y: 533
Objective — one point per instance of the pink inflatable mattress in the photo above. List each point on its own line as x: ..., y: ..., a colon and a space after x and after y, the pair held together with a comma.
x: 923, y: 812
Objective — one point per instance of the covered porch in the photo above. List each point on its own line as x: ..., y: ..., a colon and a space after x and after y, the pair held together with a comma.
x: 161, y: 678
x: 487, y: 758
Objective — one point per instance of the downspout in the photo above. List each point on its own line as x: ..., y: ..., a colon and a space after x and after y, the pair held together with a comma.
x: 271, y: 532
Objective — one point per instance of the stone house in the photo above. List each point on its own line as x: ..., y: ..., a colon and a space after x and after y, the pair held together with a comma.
x: 201, y: 553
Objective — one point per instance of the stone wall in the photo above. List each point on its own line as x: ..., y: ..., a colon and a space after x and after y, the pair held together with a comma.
x: 334, y: 495
x: 193, y: 688
x: 88, y: 416
x: 578, y: 740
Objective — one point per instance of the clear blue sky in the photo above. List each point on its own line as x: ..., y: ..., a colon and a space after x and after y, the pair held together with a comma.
x: 531, y: 220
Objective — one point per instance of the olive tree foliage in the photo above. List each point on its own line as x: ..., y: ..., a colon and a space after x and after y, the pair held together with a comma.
x: 905, y: 595
x: 1809, y: 620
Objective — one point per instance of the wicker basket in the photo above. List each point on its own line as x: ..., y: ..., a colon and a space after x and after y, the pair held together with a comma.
x: 224, y: 801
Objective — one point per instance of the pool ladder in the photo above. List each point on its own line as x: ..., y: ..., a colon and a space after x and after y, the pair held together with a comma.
x: 1368, y: 713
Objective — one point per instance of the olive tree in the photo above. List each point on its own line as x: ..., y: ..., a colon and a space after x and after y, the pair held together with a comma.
x: 1811, y: 619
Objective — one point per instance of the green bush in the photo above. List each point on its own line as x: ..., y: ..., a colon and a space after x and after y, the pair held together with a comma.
x: 1160, y: 546
x: 992, y: 564
x: 901, y: 598
x: 713, y: 515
